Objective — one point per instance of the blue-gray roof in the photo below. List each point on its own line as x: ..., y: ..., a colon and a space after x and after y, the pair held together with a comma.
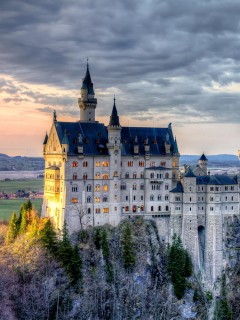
x: 216, y: 180
x: 114, y: 118
x: 87, y: 82
x: 97, y: 136
x: 179, y: 188
x: 203, y: 157
x: 189, y: 173
x: 155, y: 136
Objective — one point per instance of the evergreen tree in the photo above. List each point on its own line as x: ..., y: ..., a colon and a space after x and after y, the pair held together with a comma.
x: 105, y: 245
x: 49, y: 237
x: 188, y: 265
x: 12, y: 229
x: 176, y: 266
x: 24, y: 223
x: 129, y: 258
x: 65, y: 250
x: 75, y: 268
x: 97, y: 238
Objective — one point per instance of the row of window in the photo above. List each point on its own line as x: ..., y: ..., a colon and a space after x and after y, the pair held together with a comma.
x: 54, y: 163
x: 106, y: 163
x: 52, y: 176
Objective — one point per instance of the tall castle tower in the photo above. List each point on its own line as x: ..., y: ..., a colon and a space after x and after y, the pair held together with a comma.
x: 87, y: 103
x: 203, y: 163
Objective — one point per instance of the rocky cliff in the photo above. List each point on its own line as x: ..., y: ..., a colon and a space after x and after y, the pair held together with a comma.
x: 35, y: 286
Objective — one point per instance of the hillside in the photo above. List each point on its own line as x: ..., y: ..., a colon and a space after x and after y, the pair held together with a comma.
x: 19, y: 163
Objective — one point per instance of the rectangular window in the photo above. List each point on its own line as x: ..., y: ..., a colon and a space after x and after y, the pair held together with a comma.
x: 105, y: 210
x: 211, y: 188
x: 177, y: 198
x: 97, y: 199
x: 127, y: 198
x: 141, y: 197
x: 152, y: 163
x: 97, y: 164
x: 74, y: 200
x: 97, y: 175
x: 142, y: 175
x: 105, y: 176
x: 97, y: 210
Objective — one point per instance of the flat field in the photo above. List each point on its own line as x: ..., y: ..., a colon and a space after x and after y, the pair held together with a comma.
x: 8, y: 206
x: 21, y: 184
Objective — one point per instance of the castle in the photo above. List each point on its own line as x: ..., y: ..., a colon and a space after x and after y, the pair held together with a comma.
x: 97, y: 174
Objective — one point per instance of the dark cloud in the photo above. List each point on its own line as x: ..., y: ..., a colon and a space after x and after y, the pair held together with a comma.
x: 157, y: 56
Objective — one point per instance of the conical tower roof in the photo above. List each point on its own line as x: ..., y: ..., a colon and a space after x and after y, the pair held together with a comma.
x: 203, y: 157
x: 114, y: 118
x: 175, y: 147
x: 45, y: 139
x: 87, y: 82
x: 65, y: 138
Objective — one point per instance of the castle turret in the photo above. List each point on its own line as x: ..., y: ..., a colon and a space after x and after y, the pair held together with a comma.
x: 203, y: 162
x: 87, y: 103
x: 175, y: 161
x: 65, y: 145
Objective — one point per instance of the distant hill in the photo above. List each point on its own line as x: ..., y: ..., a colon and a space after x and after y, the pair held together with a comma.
x: 213, y: 160
x: 19, y: 163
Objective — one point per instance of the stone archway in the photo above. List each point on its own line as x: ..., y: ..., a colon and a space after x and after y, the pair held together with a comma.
x: 201, y: 244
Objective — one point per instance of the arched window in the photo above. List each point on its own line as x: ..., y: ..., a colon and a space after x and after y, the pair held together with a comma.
x: 141, y: 208
x: 134, y: 175
x: 85, y: 176
x: 105, y: 176
x: 142, y: 187
x: 105, y: 199
x: 134, y: 187
x: 152, y: 208
x: 127, y: 175
x: 88, y: 199
x: 142, y: 175
x: 166, y: 197
x: 159, y: 197
x: 75, y: 164
x: 89, y: 210
x: 152, y: 197
x: 166, y: 175
x: 85, y: 163
x: 97, y: 164
x: 153, y: 187
x: 127, y: 208
x: 152, y: 175
x: 74, y: 188
x: 167, y: 208
x: 97, y: 187
x: 190, y: 199
x: 159, y: 208
x: 166, y: 186
x: 158, y: 187
x: 74, y: 176
x: 97, y: 175
x: 123, y: 186
x: 89, y: 187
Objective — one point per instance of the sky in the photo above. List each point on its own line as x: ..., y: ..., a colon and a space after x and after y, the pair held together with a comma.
x: 164, y: 60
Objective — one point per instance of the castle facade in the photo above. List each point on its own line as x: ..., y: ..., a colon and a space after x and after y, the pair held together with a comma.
x: 97, y: 174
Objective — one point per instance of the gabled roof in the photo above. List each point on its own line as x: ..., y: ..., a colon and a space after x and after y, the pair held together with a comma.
x: 189, y: 173
x: 179, y: 188
x: 203, y: 157
x: 114, y: 118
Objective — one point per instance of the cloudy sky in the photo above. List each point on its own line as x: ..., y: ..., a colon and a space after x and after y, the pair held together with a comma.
x: 164, y: 60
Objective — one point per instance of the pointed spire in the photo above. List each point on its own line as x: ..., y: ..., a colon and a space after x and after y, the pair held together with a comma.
x: 46, y: 138
x: 114, y: 119
x: 87, y: 82
x: 65, y: 138
x: 175, y: 147
x: 203, y: 157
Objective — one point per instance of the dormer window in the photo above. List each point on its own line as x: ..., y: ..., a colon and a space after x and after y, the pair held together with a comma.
x: 97, y: 141
x: 86, y: 140
x: 100, y: 134
x: 75, y: 140
x: 124, y: 141
x: 154, y: 141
